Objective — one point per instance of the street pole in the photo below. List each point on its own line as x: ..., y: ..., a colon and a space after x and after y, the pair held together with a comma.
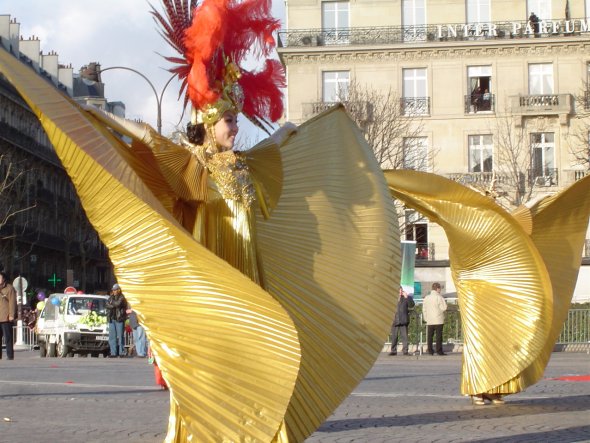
x: 20, y: 284
x: 158, y: 97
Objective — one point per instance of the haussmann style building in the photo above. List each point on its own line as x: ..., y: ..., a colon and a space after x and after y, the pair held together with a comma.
x: 44, y: 234
x: 496, y: 92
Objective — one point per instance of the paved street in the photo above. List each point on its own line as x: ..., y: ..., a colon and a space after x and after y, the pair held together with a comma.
x: 403, y: 399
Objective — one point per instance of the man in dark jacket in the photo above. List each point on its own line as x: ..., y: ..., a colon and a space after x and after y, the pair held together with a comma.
x: 401, y: 322
x: 7, y: 314
x: 116, y: 316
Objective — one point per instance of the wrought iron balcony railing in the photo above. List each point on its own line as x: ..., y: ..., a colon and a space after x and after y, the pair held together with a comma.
x: 415, y: 105
x: 383, y: 35
x: 361, y: 110
x: 475, y: 103
x: 541, y: 177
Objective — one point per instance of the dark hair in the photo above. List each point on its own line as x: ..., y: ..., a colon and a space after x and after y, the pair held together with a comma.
x: 5, y: 275
x: 436, y: 286
x: 196, y: 133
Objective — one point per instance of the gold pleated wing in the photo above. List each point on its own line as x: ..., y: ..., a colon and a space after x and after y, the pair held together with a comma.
x: 504, y: 290
x: 559, y: 225
x: 330, y: 252
x: 228, y: 350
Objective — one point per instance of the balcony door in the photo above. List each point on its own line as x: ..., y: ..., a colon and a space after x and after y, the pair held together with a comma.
x: 541, y: 79
x: 415, y: 91
x: 335, y: 86
x: 335, y: 22
x: 414, y: 20
x: 543, y: 157
x: 481, y: 153
x: 478, y: 11
x: 541, y: 8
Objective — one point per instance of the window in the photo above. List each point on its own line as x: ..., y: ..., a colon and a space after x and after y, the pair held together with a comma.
x: 414, y: 20
x: 415, y: 92
x: 481, y: 151
x: 416, y: 229
x: 540, y: 78
x: 335, y: 22
x: 335, y: 86
x: 541, y: 8
x: 416, y: 153
x: 543, y: 170
x: 479, y: 87
x: 587, y: 8
x: 478, y: 11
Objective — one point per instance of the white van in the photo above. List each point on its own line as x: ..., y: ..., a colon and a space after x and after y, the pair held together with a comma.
x: 73, y: 324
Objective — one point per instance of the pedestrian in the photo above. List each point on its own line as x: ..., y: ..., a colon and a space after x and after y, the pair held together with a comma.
x: 7, y: 314
x: 116, y: 315
x: 433, y: 309
x: 401, y: 322
x: 139, y: 338
x: 534, y: 22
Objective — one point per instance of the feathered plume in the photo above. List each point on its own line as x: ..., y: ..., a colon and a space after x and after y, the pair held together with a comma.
x: 178, y: 17
x: 222, y: 30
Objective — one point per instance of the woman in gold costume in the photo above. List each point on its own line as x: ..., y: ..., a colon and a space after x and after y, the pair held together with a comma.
x: 263, y: 277
x: 515, y: 274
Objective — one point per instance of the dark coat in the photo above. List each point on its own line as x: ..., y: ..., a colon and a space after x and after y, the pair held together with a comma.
x: 402, y: 315
x: 116, y: 307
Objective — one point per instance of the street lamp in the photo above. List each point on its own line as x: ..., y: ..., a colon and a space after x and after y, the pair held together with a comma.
x: 158, y: 97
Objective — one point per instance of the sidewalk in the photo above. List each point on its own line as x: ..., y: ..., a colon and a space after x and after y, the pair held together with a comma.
x: 403, y: 399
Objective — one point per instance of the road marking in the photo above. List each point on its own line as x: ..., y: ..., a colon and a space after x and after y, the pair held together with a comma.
x: 79, y: 385
x: 521, y: 395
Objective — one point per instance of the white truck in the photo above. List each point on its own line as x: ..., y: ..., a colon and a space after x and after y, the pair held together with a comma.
x: 73, y: 324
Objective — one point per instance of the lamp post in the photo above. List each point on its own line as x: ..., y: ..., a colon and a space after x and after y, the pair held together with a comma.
x: 158, y: 97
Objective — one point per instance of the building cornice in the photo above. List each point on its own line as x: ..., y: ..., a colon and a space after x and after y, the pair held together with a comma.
x: 397, y: 53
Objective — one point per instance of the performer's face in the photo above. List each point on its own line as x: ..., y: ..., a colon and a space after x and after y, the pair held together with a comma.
x: 226, y: 130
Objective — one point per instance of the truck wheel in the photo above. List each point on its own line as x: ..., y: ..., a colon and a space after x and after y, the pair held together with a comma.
x: 42, y: 349
x: 62, y: 349
x: 51, y: 351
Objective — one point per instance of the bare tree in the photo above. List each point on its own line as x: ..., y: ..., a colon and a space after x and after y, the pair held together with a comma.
x: 395, y: 133
x: 513, y: 150
x: 15, y: 201
x: 579, y: 146
x: 388, y: 129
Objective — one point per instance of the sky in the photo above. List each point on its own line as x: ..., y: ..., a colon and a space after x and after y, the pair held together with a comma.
x: 113, y: 33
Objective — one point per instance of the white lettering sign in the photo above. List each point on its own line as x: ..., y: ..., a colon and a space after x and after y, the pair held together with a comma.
x: 514, y: 28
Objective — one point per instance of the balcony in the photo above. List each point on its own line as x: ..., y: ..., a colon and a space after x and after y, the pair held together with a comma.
x: 543, y: 177
x: 433, y: 33
x: 361, y: 110
x: 415, y: 105
x: 476, y: 103
x: 478, y: 179
x: 543, y: 104
x: 587, y: 100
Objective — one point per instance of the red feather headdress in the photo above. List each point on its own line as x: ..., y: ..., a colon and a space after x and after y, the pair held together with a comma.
x: 214, y: 38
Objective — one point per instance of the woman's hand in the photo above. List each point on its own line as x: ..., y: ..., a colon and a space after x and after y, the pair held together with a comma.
x: 283, y: 133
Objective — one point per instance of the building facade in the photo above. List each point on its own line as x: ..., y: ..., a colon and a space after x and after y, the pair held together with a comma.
x: 497, y: 91
x: 44, y: 233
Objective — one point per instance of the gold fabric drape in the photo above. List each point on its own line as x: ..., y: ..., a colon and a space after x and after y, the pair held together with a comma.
x: 515, y: 274
x: 242, y: 363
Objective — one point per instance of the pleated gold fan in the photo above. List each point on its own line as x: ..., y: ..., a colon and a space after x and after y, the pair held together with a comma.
x: 515, y: 274
x: 241, y: 361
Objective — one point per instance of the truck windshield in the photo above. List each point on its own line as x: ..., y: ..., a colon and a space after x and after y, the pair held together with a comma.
x: 85, y: 305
